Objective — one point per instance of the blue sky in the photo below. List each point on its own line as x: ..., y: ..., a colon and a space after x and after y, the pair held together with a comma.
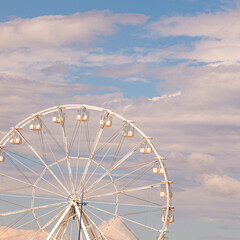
x: 154, y: 9
x: 175, y: 61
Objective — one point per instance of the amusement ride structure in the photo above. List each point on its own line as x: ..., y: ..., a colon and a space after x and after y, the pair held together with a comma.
x: 82, y: 172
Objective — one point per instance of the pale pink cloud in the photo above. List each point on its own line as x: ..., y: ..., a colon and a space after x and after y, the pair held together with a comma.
x: 18, y: 234
x: 115, y: 229
x: 201, y: 163
x: 218, y: 25
x: 58, y: 30
x: 221, y: 185
x: 219, y: 33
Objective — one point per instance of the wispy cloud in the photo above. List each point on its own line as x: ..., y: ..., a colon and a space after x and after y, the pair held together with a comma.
x: 214, y: 36
x: 58, y: 30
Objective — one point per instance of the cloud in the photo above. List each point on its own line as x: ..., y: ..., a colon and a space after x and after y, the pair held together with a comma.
x: 115, y: 229
x: 56, y: 68
x: 56, y: 46
x: 18, y: 234
x: 21, y: 96
x: 201, y: 163
x: 166, y: 96
x: 59, y: 30
x: 137, y: 79
x: 219, y: 25
x: 215, y: 39
x: 221, y: 185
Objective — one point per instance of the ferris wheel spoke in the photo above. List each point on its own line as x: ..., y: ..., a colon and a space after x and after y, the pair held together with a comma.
x: 125, y: 191
x: 94, y: 214
x: 91, y: 156
x: 12, y: 203
x: 78, y: 154
x: 124, y: 204
x: 30, y: 209
x: 53, y: 138
x: 64, y: 136
x: 102, y: 235
x: 75, y: 133
x: 80, y: 218
x: 34, y: 151
x: 64, y: 227
x: 48, y: 223
x: 127, y: 219
x: 30, y: 169
x: 143, y: 200
x: 140, y: 212
x: 57, y: 163
x: 19, y: 170
x: 30, y: 196
x: 123, y: 176
x: 41, y: 216
x: 79, y: 125
x: 31, y: 185
x: 23, y: 157
x: 139, y: 176
x: 113, y: 138
x: 114, y: 167
x: 66, y: 212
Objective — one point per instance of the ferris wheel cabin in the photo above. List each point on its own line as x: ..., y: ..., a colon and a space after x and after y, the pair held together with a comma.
x: 36, y: 125
x: 83, y: 115
x: 106, y: 121
x: 16, y: 138
x: 128, y: 130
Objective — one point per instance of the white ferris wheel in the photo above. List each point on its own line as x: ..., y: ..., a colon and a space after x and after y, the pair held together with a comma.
x: 82, y: 172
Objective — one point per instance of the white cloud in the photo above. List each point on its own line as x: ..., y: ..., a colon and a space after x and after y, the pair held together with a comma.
x: 201, y: 163
x: 55, y: 46
x: 166, y: 96
x: 136, y: 79
x: 116, y: 229
x: 18, y: 234
x: 58, y: 30
x: 218, y: 32
x: 219, y: 25
x: 221, y: 185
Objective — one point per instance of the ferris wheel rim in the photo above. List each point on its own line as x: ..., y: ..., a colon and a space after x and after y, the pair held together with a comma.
x: 44, y: 112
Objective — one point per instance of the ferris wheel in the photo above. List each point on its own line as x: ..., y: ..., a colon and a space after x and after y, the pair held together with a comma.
x: 82, y: 172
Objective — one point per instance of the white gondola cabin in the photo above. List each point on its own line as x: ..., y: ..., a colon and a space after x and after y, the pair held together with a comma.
x: 16, y: 138
x: 157, y: 169
x: 2, y: 156
x: 163, y: 191
x: 145, y: 148
x: 170, y: 214
x: 36, y: 125
x: 106, y: 121
x: 83, y: 115
x: 59, y: 117
x: 128, y: 130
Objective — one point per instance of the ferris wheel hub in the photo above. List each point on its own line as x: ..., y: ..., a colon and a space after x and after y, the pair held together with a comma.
x: 74, y: 198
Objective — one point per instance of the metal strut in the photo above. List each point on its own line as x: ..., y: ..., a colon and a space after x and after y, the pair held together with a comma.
x: 80, y: 220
